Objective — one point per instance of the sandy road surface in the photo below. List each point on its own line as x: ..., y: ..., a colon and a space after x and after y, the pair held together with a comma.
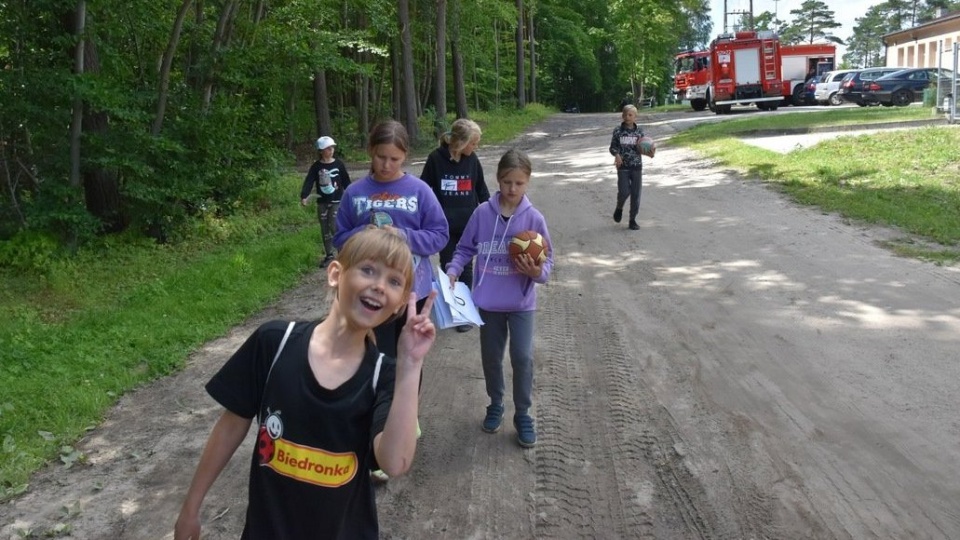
x: 738, y: 368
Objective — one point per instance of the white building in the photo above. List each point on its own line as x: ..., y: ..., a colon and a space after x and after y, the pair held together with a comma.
x: 921, y: 46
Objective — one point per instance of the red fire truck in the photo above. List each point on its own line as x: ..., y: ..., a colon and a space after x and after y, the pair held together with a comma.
x: 745, y: 68
x: 800, y: 62
x: 691, y: 74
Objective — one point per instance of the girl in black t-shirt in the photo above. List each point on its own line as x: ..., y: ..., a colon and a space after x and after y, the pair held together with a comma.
x: 328, y: 405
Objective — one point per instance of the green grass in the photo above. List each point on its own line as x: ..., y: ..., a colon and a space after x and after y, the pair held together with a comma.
x: 753, y: 123
x: 78, y: 333
x: 503, y: 125
x: 904, y: 179
x: 76, y: 337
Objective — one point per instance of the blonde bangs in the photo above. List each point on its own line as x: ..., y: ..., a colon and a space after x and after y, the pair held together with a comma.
x: 382, y: 245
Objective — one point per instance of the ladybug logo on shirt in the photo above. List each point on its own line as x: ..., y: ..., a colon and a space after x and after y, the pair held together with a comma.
x: 300, y: 462
x: 269, y: 432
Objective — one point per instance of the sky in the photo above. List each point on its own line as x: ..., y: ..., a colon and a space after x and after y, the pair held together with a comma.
x: 845, y: 12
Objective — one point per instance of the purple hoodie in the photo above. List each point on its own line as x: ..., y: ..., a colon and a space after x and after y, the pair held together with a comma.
x: 497, y: 285
x: 414, y: 210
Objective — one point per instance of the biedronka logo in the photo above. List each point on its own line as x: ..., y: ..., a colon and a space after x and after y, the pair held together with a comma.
x: 302, y: 463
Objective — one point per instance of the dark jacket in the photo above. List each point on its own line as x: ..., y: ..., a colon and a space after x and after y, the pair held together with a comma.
x: 624, y: 144
x: 339, y: 178
x: 459, y: 186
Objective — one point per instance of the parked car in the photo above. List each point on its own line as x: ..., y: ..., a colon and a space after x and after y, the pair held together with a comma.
x: 826, y: 92
x: 903, y: 87
x: 851, y: 87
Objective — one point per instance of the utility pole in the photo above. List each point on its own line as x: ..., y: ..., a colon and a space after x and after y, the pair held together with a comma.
x: 738, y: 12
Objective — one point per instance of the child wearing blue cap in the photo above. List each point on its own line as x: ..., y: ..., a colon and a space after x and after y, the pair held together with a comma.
x: 329, y: 177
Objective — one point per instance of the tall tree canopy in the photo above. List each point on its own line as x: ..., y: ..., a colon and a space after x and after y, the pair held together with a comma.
x: 812, y: 22
x: 184, y: 108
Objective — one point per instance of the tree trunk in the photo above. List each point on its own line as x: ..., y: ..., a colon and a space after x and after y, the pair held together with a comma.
x: 459, y: 84
x: 409, y: 88
x: 76, y: 128
x: 364, y: 104
x: 456, y: 57
x: 424, y: 82
x: 219, y: 39
x: 321, y: 104
x: 292, y: 94
x: 395, y: 88
x: 440, y: 86
x: 496, y: 61
x: 521, y: 82
x: 533, y: 57
x: 193, y: 74
x: 164, y: 78
x: 101, y: 190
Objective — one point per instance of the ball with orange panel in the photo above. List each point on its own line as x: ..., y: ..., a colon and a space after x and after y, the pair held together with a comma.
x: 531, y: 243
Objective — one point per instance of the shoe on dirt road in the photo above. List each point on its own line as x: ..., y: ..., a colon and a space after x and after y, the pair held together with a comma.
x: 494, y: 418
x: 526, y: 432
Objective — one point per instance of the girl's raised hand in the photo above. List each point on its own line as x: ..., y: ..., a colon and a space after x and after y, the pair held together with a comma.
x: 418, y: 333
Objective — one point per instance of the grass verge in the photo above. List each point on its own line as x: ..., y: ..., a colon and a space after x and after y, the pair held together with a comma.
x: 903, y: 179
x: 81, y: 334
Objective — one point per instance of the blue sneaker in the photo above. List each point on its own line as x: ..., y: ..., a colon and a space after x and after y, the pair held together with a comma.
x: 526, y: 432
x: 494, y: 418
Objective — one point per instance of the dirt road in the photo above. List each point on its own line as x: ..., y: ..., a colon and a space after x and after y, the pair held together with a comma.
x: 739, y: 368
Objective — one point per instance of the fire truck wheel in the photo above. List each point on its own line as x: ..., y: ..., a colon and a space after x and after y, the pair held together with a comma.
x: 798, y: 99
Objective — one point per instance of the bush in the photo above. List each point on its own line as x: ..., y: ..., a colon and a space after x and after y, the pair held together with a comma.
x: 29, y: 251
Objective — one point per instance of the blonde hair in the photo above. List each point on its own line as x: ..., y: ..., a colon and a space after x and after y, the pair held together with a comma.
x: 629, y: 108
x: 462, y: 132
x: 514, y: 159
x: 383, y: 245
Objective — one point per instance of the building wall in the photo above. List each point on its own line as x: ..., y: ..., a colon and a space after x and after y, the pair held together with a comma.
x: 921, y: 46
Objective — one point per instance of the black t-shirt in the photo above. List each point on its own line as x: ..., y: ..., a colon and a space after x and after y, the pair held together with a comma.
x: 309, y: 473
x: 339, y: 178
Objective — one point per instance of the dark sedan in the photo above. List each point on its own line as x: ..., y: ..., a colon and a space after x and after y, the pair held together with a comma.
x: 851, y: 88
x: 903, y: 87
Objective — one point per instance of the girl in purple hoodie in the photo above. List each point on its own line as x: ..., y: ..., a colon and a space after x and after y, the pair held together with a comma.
x: 505, y: 290
x: 388, y: 196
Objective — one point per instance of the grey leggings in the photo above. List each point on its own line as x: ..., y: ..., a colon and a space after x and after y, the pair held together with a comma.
x: 497, y: 328
x: 629, y: 182
x: 327, y: 216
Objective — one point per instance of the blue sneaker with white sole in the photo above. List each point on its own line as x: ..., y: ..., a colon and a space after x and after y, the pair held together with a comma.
x: 494, y: 418
x: 526, y: 432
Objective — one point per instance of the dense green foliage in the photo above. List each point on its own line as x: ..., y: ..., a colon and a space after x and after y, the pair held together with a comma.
x: 145, y: 116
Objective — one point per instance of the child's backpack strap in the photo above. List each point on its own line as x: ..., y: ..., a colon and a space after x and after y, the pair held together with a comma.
x: 376, y: 372
x: 276, y: 357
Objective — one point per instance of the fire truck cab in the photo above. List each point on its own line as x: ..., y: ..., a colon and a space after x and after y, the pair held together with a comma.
x: 745, y: 68
x: 691, y: 76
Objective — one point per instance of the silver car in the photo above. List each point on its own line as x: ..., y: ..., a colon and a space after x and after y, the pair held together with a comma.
x: 829, y: 85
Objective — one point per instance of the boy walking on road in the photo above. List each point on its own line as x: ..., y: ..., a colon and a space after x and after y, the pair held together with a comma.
x: 623, y: 146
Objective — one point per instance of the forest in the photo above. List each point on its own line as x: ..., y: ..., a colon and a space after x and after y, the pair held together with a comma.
x: 138, y: 117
